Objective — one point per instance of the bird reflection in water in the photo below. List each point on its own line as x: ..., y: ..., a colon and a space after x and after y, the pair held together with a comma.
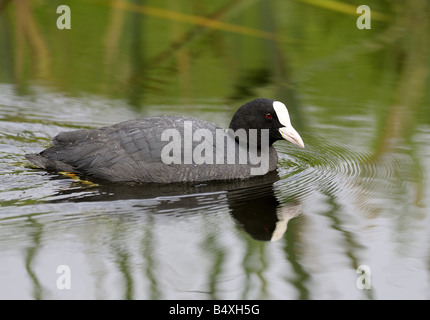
x: 257, y: 210
x: 252, y: 203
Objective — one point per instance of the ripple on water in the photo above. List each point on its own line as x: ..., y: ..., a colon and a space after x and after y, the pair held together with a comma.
x: 335, y: 167
x: 49, y: 107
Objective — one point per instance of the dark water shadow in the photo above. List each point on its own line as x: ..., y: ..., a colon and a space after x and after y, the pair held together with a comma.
x: 252, y: 203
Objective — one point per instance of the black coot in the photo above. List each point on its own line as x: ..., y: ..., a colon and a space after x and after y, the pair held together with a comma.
x: 168, y: 149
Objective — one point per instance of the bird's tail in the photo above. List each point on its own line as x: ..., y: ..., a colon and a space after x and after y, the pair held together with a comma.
x: 48, y: 164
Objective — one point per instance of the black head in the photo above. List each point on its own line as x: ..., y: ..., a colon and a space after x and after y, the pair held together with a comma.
x: 266, y: 114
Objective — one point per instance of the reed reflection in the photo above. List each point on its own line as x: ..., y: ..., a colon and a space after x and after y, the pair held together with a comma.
x: 258, y: 212
x: 252, y: 203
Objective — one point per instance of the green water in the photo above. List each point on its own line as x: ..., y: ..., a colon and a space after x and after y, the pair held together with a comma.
x: 356, y: 195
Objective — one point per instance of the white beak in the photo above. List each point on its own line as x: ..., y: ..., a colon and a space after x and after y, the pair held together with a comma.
x: 290, y: 134
x: 287, y: 132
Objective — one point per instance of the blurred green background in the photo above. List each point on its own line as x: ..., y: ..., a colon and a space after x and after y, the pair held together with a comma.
x: 359, y: 98
x: 174, y: 52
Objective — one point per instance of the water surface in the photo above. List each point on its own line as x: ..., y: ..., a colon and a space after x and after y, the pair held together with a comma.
x: 356, y: 195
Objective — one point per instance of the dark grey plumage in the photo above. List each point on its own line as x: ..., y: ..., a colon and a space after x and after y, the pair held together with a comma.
x: 131, y: 151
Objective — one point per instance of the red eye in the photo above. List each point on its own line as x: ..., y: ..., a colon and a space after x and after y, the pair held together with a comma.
x: 268, y: 116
